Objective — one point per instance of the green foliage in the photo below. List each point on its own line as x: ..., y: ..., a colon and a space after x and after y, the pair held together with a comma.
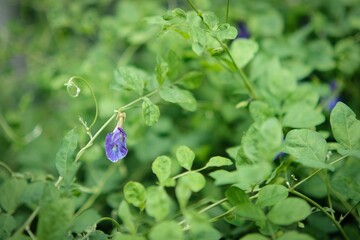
x: 64, y: 158
x: 151, y: 112
x: 185, y: 157
x: 162, y: 168
x: 58, y: 212
x: 258, y: 136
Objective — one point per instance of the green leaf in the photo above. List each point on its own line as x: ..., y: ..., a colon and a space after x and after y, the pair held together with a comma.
x: 157, y: 202
x: 135, y: 194
x: 263, y: 141
x: 185, y: 156
x: 127, y: 218
x: 32, y: 194
x: 151, y: 112
x: 236, y: 196
x: 211, y: 20
x: 321, y: 55
x: 64, y: 162
x: 175, y: 95
x: 280, y: 81
x: 260, y: 111
x: 345, y: 126
x: 249, y: 211
x: 289, y: 211
x: 348, y: 184
x: 293, y: 235
x: 11, y: 192
x: 302, y: 116
x: 131, y: 78
x: 271, y: 194
x: 7, y: 225
x: 85, y: 220
x: 203, y: 231
x: 161, y: 70
x: 55, y: 219
x: 191, y: 80
x: 266, y: 22
x: 243, y: 50
x: 218, y: 162
x: 245, y: 176
x: 308, y: 147
x: 166, y: 230
x: 226, y: 31
x: 199, y: 41
x: 194, y: 181
x: 162, y: 168
x: 347, y: 52
x: 183, y: 194
x: 174, y: 14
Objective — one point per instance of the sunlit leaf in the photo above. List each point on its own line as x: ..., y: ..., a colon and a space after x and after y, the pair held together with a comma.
x: 162, y: 168
x: 135, y: 194
x: 185, y: 156
x: 218, y: 162
x: 243, y: 50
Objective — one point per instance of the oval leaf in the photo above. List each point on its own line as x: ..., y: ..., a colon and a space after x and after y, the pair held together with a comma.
x: 194, y: 180
x: 157, y: 202
x: 135, y: 194
x: 162, y: 168
x: 289, y: 211
x: 185, y: 157
x: 151, y: 112
x: 309, y: 148
x: 271, y: 194
x: 218, y: 162
x: 176, y: 95
x: 243, y: 50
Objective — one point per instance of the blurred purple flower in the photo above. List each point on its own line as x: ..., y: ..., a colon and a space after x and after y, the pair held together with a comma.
x: 243, y: 31
x: 331, y: 100
x: 115, y: 145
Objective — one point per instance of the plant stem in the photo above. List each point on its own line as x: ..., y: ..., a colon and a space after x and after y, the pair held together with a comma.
x: 27, y: 222
x: 213, y: 205
x: 80, y: 153
x: 227, y: 11
x: 71, y: 83
x: 337, y: 224
x: 7, y: 168
x: 316, y: 172
x: 348, y: 212
x: 242, y: 74
x: 127, y: 106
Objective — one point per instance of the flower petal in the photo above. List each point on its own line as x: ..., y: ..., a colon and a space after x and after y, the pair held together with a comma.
x: 115, y: 145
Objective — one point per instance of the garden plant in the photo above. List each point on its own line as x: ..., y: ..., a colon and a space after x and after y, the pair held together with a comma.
x: 180, y: 119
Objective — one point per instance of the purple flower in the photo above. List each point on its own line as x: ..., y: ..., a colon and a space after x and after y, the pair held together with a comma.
x: 115, y: 145
x: 243, y: 31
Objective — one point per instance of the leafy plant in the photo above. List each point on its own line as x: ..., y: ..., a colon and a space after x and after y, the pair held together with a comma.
x: 232, y: 121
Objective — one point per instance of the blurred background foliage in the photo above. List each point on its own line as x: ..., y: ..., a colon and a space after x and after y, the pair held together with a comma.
x: 45, y: 42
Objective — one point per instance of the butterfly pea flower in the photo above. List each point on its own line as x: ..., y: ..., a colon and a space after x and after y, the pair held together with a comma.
x: 115, y: 142
x: 243, y: 31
